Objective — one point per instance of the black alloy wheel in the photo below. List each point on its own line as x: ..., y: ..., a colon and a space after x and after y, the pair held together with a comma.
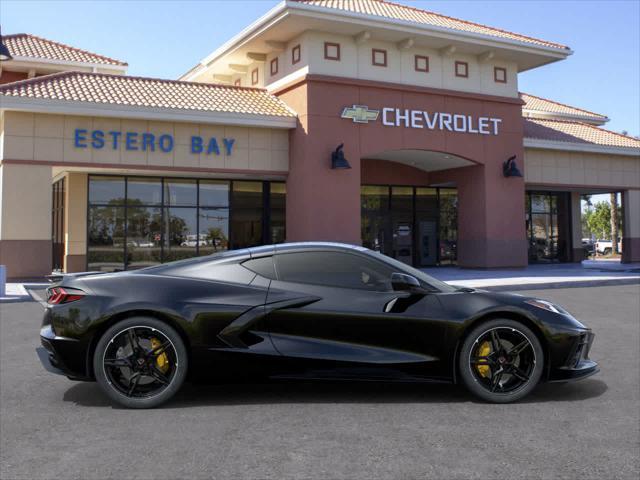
x: 140, y: 362
x: 501, y: 361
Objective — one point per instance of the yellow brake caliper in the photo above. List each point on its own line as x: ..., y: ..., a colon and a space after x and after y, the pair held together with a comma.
x: 161, y: 360
x: 483, y: 351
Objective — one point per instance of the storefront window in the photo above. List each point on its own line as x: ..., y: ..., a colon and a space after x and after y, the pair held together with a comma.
x: 277, y: 217
x: 246, y: 216
x: 105, y: 238
x: 135, y: 222
x: 416, y: 225
x: 547, y: 218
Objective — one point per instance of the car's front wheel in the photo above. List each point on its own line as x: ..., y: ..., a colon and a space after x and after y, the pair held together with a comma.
x: 501, y: 361
x: 140, y: 362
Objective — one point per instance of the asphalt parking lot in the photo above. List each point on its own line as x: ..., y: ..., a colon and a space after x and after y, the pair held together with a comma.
x: 54, y: 428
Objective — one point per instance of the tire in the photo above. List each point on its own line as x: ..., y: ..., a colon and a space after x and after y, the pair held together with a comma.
x: 607, y: 251
x: 160, y: 385
x: 495, y: 384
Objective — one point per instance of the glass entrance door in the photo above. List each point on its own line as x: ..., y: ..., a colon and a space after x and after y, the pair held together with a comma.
x: 548, y: 229
x: 416, y: 225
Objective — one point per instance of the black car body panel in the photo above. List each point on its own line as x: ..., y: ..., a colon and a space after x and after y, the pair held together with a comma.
x: 239, y: 317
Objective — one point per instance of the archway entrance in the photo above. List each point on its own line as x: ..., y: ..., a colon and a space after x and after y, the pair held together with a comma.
x: 409, y: 211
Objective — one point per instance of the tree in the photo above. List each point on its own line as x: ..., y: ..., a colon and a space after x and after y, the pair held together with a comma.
x: 598, y: 220
x: 614, y: 222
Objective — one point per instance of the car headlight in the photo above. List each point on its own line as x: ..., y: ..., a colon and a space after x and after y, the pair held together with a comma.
x: 544, y: 305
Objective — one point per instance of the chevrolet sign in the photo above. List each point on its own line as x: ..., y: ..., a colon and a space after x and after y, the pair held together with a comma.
x: 397, y: 117
x: 360, y: 114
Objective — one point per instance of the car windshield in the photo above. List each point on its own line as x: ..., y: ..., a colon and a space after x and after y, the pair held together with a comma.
x: 428, y: 280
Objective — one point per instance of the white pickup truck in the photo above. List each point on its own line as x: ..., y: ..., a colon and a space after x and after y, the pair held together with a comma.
x: 605, y: 247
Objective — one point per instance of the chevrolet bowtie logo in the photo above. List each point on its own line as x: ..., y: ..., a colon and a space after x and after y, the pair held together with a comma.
x: 360, y: 114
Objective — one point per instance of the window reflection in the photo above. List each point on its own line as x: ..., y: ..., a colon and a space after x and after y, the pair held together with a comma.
x: 137, y: 221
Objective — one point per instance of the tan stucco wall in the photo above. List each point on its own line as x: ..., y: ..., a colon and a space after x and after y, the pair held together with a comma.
x: 632, y: 213
x: 25, y: 201
x: 75, y: 213
x: 43, y: 137
x: 355, y: 62
x: 553, y: 167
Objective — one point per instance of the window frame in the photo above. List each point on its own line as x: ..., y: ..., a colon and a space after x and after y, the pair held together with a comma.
x: 255, y: 76
x: 327, y: 45
x: 296, y: 54
x: 416, y: 58
x: 465, y: 65
x: 375, y: 51
x: 495, y: 74
x: 274, y: 62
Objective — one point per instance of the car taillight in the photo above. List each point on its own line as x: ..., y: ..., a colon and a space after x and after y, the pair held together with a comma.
x: 58, y: 295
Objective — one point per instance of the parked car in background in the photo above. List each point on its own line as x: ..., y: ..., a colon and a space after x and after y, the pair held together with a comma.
x: 193, y: 240
x: 588, y: 247
x: 605, y: 247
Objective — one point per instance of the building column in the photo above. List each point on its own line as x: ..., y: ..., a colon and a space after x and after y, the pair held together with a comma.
x: 25, y: 220
x: 631, y: 239
x: 577, y: 252
x: 491, y: 219
x: 75, y: 221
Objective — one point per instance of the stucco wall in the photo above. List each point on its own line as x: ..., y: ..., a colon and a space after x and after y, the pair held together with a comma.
x: 553, y: 167
x: 50, y: 138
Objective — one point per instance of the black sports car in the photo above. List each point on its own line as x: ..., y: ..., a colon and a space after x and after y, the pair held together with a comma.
x: 304, y: 311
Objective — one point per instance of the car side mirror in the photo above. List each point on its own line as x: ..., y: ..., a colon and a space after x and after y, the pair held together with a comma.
x: 405, y: 283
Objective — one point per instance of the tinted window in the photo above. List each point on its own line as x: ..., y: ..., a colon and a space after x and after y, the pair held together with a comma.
x: 334, y: 269
x: 262, y: 266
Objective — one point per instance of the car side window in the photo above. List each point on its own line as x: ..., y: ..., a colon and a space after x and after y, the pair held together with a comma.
x: 334, y: 269
x: 263, y: 266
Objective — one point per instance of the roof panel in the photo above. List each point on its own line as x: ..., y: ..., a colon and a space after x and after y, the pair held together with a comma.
x: 148, y: 92
x: 31, y: 46
x: 544, y: 105
x: 575, y: 132
x: 395, y: 11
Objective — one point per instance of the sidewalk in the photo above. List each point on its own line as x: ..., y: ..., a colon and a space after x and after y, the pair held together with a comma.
x: 19, y: 292
x: 537, y: 276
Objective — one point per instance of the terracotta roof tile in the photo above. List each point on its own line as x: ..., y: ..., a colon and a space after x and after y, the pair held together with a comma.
x: 395, y: 11
x: 27, y: 45
x: 545, y: 105
x: 575, y: 132
x: 148, y: 92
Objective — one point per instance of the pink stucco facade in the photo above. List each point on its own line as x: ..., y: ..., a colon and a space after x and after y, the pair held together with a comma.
x: 324, y: 204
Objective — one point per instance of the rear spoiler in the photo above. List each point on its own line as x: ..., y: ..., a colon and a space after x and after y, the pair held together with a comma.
x: 57, y: 277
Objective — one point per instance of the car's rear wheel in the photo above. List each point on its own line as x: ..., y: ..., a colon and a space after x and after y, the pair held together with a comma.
x: 140, y: 362
x: 501, y: 361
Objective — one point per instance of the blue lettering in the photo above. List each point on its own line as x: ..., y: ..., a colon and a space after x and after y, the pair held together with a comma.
x: 80, y: 137
x: 213, y: 146
x: 196, y: 144
x: 165, y: 142
x: 132, y: 141
x: 148, y: 140
x: 228, y: 144
x: 97, y: 137
x: 115, y: 136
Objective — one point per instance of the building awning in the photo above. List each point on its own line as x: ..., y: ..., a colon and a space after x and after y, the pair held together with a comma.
x: 97, y: 94
x: 538, y: 107
x: 26, y: 46
x: 395, y: 11
x: 577, y: 136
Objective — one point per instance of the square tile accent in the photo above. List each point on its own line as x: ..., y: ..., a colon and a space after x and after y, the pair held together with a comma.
x: 500, y: 74
x: 462, y: 69
x: 378, y: 57
x: 421, y: 63
x: 331, y: 51
x: 295, y: 54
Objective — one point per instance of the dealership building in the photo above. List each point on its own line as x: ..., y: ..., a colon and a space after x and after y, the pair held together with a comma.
x: 365, y: 122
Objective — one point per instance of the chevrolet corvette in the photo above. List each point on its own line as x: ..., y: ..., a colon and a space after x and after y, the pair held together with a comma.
x: 311, y: 311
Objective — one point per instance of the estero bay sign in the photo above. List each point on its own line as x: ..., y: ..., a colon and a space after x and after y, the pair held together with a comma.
x: 403, y: 117
x: 136, y: 141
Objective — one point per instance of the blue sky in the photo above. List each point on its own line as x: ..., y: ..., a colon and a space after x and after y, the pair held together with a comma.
x: 166, y: 38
